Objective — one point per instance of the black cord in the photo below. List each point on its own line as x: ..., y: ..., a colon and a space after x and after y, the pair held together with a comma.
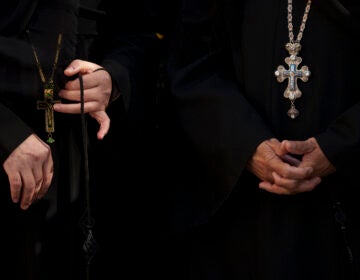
x: 340, y: 218
x: 90, y: 244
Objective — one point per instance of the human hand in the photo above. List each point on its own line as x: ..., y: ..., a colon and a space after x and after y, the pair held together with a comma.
x: 280, y: 173
x: 30, y: 171
x: 97, y: 90
x: 312, y: 156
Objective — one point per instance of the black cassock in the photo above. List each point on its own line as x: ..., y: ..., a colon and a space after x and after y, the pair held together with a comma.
x: 44, y: 242
x: 228, y: 101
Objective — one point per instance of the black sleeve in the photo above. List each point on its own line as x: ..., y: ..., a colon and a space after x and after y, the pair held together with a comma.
x: 14, y: 130
x: 223, y: 129
x: 10, y: 138
x: 128, y: 45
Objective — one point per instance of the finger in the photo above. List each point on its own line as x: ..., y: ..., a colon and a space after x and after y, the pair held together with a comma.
x: 15, y: 186
x: 28, y: 189
x: 75, y: 108
x: 90, y: 94
x: 48, y: 173
x: 38, y: 175
x: 289, y: 171
x: 74, y: 95
x: 73, y: 68
x: 281, y: 190
x: 296, y: 186
x: 89, y: 81
x: 36, y: 195
x: 283, y: 186
x: 80, y: 66
x: 291, y: 160
x: 275, y: 145
x: 103, y: 120
x: 273, y: 188
x: 298, y: 147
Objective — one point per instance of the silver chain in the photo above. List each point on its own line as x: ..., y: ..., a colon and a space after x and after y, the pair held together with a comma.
x: 303, y: 22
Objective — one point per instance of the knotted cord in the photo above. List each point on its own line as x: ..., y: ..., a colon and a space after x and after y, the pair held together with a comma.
x: 90, y: 244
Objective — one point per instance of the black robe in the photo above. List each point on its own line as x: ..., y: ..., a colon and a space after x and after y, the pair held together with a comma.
x: 130, y: 205
x: 44, y: 242
x: 228, y: 101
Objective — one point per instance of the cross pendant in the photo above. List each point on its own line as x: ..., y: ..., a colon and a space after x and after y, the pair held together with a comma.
x: 47, y: 105
x: 292, y: 90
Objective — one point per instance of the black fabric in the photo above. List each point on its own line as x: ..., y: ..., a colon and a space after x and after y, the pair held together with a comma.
x: 44, y: 242
x: 131, y: 205
x: 227, y: 101
x: 22, y: 10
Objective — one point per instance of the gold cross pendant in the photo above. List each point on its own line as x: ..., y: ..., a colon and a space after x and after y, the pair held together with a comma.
x: 47, y: 105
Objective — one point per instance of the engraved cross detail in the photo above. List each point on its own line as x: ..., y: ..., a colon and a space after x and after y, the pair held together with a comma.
x: 292, y: 91
x: 293, y: 74
x: 47, y: 105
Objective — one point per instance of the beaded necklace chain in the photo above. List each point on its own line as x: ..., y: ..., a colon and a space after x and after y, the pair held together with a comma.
x: 292, y: 92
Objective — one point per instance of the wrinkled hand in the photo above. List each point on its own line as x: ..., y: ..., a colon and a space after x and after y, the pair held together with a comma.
x: 312, y: 156
x: 280, y: 173
x: 30, y: 171
x: 97, y: 90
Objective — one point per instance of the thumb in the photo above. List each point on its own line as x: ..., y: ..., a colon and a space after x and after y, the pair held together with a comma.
x: 73, y: 68
x: 78, y: 66
x: 298, y: 147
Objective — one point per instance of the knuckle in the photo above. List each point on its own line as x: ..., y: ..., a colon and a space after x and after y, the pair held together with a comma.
x: 16, y: 183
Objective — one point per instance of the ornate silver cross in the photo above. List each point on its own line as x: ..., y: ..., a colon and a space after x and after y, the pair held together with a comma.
x: 292, y: 74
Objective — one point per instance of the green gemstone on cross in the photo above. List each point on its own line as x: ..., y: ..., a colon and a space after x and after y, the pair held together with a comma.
x: 50, y: 140
x: 47, y: 106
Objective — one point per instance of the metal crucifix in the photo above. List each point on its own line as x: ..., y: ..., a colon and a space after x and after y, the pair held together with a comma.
x: 292, y: 91
x: 47, y: 105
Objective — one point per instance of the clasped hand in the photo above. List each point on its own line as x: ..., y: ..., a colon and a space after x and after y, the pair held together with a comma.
x: 281, y: 172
